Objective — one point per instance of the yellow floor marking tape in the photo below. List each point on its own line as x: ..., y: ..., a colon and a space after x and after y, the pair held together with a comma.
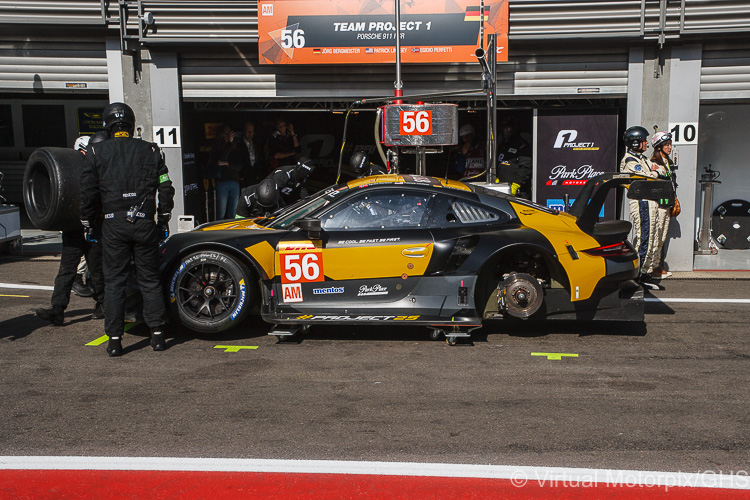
x: 554, y: 355
x: 235, y: 348
x: 21, y: 296
x: 105, y: 338
x: 99, y: 341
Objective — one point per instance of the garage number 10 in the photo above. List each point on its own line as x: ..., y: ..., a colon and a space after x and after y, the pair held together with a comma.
x: 292, y: 38
x: 301, y: 267
x: 416, y: 122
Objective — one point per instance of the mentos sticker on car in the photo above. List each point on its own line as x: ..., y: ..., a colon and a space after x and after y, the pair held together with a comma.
x: 559, y: 205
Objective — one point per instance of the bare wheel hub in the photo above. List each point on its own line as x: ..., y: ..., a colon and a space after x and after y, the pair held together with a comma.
x: 520, y: 295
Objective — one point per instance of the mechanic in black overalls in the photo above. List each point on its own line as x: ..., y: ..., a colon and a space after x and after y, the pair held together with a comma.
x: 282, y: 187
x: 514, y: 163
x: 291, y: 180
x: 120, y: 180
x: 259, y: 200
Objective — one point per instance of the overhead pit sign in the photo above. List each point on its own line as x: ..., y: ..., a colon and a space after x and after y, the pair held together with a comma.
x: 364, y: 31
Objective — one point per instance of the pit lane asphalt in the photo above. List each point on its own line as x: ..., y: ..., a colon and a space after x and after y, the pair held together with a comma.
x: 670, y: 395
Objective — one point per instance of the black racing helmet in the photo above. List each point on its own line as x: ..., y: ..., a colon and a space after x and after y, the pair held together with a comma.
x: 120, y: 115
x: 359, y: 161
x: 267, y: 193
x: 634, y: 136
x: 304, y: 168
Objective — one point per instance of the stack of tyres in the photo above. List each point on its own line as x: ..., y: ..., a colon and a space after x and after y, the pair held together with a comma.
x: 52, y: 190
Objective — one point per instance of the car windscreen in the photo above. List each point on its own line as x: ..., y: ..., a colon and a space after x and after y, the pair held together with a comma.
x: 303, y: 208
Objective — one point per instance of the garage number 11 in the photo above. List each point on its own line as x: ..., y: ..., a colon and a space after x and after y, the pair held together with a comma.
x: 167, y: 136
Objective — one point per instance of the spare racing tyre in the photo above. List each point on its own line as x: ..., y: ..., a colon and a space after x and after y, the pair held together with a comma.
x: 52, y: 189
x: 211, y: 291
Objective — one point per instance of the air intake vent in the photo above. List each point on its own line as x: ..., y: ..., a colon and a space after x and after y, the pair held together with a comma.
x: 468, y: 214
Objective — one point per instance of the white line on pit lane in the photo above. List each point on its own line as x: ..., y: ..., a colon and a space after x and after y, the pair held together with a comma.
x: 26, y: 287
x: 518, y: 475
x: 699, y: 301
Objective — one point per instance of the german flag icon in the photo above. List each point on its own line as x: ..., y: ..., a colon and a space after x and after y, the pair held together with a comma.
x: 472, y: 14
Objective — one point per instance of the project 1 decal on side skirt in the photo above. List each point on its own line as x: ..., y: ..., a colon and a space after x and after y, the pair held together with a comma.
x: 241, y: 301
x: 325, y: 317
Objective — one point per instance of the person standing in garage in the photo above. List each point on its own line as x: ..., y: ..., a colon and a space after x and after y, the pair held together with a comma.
x: 283, y: 145
x: 514, y: 160
x: 253, y: 157
x: 121, y: 180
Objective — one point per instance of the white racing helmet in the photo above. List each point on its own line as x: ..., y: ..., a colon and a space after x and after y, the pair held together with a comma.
x: 660, y: 138
x: 82, y: 143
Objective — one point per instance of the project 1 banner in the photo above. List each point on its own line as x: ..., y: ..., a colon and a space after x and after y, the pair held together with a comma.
x: 572, y: 147
x: 364, y: 31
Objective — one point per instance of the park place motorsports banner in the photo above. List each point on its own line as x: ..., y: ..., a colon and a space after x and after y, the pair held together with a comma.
x: 364, y: 31
x: 572, y: 147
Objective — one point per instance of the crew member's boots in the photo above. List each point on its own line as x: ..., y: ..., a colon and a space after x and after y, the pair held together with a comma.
x: 157, y: 339
x: 80, y: 289
x: 98, y: 312
x: 646, y: 281
x: 52, y: 314
x: 114, y: 347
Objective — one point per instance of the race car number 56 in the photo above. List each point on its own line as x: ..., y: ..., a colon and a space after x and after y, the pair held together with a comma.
x: 416, y: 122
x: 302, y: 267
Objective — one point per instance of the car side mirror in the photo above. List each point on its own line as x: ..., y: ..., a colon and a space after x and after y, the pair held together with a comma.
x: 661, y: 192
x: 311, y: 227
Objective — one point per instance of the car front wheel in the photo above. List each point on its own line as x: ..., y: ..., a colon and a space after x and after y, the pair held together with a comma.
x: 211, y: 291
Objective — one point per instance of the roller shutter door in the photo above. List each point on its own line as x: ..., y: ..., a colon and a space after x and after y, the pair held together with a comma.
x: 53, y: 65
x: 234, y: 74
x: 725, y: 71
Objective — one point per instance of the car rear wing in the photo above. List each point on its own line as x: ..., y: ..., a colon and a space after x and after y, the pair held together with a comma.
x: 590, y: 200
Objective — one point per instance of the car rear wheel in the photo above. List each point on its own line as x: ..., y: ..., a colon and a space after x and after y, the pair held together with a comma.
x: 211, y: 291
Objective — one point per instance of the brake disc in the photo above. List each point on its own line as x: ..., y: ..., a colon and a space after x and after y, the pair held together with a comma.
x: 519, y: 295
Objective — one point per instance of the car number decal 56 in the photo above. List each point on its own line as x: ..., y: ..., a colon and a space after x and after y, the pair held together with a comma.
x: 302, y: 267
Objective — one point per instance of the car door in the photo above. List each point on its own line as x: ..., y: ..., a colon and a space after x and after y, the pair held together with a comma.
x: 374, y: 249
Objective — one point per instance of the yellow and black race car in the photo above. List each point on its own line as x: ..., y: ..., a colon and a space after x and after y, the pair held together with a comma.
x: 411, y: 250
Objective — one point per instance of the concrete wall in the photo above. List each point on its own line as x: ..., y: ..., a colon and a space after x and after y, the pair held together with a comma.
x: 150, y: 84
x: 664, y: 88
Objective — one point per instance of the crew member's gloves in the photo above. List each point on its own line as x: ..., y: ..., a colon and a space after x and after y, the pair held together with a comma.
x: 514, y: 188
x: 162, y: 222
x: 89, y: 231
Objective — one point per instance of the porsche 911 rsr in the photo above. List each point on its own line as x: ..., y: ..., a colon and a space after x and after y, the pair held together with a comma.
x: 410, y: 250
